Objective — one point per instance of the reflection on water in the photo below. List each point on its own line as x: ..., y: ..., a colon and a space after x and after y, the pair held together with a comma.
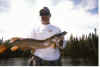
x: 23, y: 62
x: 13, y: 62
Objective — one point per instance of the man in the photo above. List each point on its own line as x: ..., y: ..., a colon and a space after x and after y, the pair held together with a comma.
x: 47, y: 56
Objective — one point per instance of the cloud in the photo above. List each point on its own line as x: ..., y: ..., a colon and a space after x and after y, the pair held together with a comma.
x: 17, y: 21
x: 75, y: 21
x: 88, y: 5
x: 4, y: 5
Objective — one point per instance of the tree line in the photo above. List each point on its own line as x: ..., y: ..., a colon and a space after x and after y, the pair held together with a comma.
x: 85, y: 47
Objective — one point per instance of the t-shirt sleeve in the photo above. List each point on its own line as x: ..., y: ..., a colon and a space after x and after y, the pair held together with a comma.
x: 58, y: 30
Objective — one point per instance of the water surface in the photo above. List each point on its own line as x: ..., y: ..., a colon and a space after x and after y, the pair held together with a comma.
x: 24, y: 62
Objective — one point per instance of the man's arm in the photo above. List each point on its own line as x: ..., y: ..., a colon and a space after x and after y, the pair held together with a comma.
x: 63, y: 43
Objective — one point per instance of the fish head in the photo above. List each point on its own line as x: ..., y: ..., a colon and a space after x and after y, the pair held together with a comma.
x: 58, y: 39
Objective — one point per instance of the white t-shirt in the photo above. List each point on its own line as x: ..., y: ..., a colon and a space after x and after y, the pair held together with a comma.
x: 42, y: 32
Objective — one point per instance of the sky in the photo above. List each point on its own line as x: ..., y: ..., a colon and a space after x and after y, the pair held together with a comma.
x: 19, y: 17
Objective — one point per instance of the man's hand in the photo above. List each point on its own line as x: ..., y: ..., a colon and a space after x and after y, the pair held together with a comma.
x: 53, y: 45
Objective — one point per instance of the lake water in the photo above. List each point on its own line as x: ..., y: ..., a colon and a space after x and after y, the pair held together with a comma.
x: 23, y: 62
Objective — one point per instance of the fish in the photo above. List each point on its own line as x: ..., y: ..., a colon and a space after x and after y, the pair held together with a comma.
x: 33, y: 44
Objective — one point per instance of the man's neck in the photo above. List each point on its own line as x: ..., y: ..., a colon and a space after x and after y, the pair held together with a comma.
x: 45, y: 23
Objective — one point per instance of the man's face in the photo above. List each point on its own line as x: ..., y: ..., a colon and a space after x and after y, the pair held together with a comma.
x: 45, y: 19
